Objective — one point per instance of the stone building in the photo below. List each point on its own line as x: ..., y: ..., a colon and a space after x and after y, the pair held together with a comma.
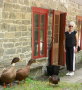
x: 27, y: 29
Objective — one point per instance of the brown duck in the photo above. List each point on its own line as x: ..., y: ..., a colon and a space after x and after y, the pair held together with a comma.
x: 54, y: 79
x: 22, y: 73
x: 8, y: 75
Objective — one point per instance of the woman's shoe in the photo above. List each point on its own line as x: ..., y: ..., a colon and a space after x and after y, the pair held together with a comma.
x: 71, y: 73
x: 67, y: 73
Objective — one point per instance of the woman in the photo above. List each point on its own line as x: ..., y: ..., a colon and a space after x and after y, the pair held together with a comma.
x: 70, y: 48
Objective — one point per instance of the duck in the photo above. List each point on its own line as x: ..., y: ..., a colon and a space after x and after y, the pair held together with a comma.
x: 23, y: 73
x: 8, y: 74
x: 54, y: 79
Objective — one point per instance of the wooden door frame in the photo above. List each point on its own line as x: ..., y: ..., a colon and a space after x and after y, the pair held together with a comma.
x: 54, y: 11
x: 79, y: 18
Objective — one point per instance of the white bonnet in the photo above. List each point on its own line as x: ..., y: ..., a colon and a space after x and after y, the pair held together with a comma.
x: 72, y: 23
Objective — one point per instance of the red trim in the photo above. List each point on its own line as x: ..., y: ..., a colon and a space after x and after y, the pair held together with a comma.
x: 40, y: 11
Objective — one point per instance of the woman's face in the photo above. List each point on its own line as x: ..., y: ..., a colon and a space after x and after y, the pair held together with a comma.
x: 70, y: 27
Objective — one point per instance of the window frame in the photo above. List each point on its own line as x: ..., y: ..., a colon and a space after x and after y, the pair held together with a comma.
x: 40, y: 11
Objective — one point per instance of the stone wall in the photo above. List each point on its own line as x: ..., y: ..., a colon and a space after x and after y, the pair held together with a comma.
x: 15, y: 26
x: 15, y: 30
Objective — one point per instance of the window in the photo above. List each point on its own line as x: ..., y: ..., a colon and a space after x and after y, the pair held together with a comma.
x: 39, y: 32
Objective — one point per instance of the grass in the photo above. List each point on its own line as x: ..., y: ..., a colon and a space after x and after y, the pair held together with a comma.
x: 44, y: 85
